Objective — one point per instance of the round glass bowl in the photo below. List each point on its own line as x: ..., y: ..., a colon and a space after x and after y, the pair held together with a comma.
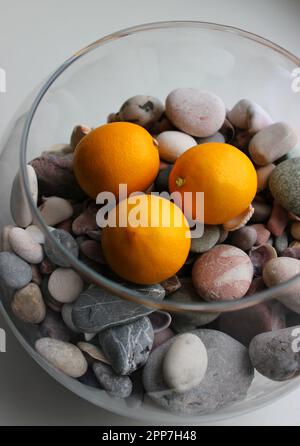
x: 149, y: 59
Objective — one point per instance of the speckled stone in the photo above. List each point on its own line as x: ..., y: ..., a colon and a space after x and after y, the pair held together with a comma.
x: 142, y: 110
x: 276, y: 354
x: 97, y: 309
x: 67, y: 241
x: 127, y: 346
x: 285, y: 185
x: 281, y: 243
x: 15, y: 273
x: 208, y: 240
x: 118, y: 386
x: 198, y: 113
x: 28, y: 304
x: 227, y: 380
x: 187, y: 321
x: 223, y: 273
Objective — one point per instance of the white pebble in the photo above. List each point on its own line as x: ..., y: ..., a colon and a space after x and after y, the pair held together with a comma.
x: 172, y: 144
x: 54, y: 210
x: 64, y: 356
x: 185, y: 363
x: 65, y: 285
x: 36, y: 234
x: 19, y: 206
x: 24, y: 246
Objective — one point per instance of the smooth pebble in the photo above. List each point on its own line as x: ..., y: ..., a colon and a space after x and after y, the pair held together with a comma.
x: 28, y: 304
x: 62, y: 355
x: 244, y: 238
x: 172, y: 144
x: 66, y: 314
x: 223, y: 273
x: 54, y: 327
x: 208, y: 240
x: 248, y: 115
x: 36, y: 234
x: 25, y: 247
x: 284, y: 185
x: 65, y: 285
x: 271, y: 143
x: 198, y: 113
x: 19, y: 206
x: 142, y: 110
x: 54, y: 210
x: 185, y: 363
x: 15, y: 273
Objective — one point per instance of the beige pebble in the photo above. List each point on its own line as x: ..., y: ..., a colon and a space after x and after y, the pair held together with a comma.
x: 250, y: 116
x: 28, y: 304
x: 263, y: 174
x: 295, y: 230
x: 172, y: 144
x: 19, y: 206
x: 36, y: 275
x: 93, y: 351
x: 54, y: 210
x: 65, y: 285
x: 64, y: 356
x: 23, y: 245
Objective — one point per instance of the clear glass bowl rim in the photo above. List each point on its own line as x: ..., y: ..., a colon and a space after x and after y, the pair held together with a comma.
x: 91, y: 275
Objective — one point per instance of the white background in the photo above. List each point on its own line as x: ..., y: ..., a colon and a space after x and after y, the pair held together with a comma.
x: 35, y: 37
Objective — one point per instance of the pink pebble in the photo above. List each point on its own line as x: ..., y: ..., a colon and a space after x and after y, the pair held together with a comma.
x: 223, y: 273
x: 86, y: 221
x: 278, y: 220
x: 263, y: 234
x: 257, y: 285
x: 292, y: 252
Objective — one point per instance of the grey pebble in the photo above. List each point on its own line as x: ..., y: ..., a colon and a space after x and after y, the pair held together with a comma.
x: 208, y: 240
x: 15, y: 273
x: 67, y: 241
x: 66, y: 313
x: 276, y: 354
x: 118, y: 386
x: 284, y: 185
x: 227, y: 380
x: 97, y: 309
x: 128, y: 346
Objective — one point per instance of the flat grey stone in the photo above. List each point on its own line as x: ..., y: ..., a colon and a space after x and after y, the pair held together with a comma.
x: 15, y: 273
x: 128, y: 346
x: 227, y: 380
x: 274, y: 354
x: 97, y: 309
x: 118, y: 386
